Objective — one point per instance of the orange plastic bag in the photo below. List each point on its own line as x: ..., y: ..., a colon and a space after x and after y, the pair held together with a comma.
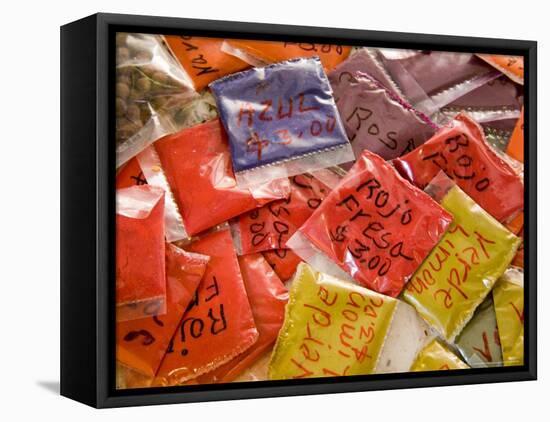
x: 516, y: 145
x: 460, y: 150
x: 267, y: 296
x: 511, y: 66
x: 197, y: 165
x: 203, y: 59
x: 130, y: 175
x: 142, y: 343
x: 218, y: 324
x: 283, y: 262
x: 140, y: 272
x: 266, y: 52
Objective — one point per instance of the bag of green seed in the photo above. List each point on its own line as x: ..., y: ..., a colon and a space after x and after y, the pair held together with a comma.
x: 151, y: 88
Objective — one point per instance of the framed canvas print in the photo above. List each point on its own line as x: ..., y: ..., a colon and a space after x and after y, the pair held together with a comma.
x: 253, y: 210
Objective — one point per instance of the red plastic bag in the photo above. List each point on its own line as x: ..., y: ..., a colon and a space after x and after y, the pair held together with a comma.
x: 460, y: 150
x: 270, y: 226
x: 197, y: 165
x: 283, y: 262
x: 218, y: 324
x: 130, y: 175
x: 142, y: 343
x: 376, y: 226
x: 267, y: 296
x: 140, y: 273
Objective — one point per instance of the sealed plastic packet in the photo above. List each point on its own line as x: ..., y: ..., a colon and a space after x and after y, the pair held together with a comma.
x: 430, y: 80
x: 218, y: 324
x: 270, y: 226
x: 376, y: 118
x: 267, y: 297
x: 196, y: 111
x: 203, y: 59
x: 331, y: 328
x: 436, y: 356
x: 142, y: 343
x: 281, y: 121
x: 155, y: 127
x: 495, y: 105
x: 479, y: 343
x: 283, y: 261
x: 261, y: 53
x: 511, y: 66
x: 140, y: 270
x: 460, y: 150
x: 194, y: 166
x: 462, y: 269
x: 148, y: 78
x: 375, y: 226
x: 508, y: 298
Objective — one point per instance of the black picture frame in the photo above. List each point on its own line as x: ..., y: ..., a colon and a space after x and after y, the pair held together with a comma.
x: 88, y: 210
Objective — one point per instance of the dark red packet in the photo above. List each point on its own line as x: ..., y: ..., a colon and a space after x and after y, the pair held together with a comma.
x: 218, y: 324
x: 270, y: 226
x: 460, y: 150
x: 376, y: 226
x: 140, y: 272
x: 267, y: 296
x: 197, y: 165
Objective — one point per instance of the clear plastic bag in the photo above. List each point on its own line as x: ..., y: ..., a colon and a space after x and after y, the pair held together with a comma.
x: 148, y: 78
x: 461, y: 270
x: 140, y: 271
x: 461, y: 151
x: 218, y: 324
x: 433, y: 79
x: 142, y: 343
x: 193, y: 165
x: 270, y: 226
x: 281, y: 121
x: 267, y: 297
x: 496, y: 106
x: 374, y: 226
x: 331, y: 328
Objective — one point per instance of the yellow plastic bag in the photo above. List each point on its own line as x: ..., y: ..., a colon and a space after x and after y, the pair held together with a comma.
x: 508, y: 299
x: 331, y: 328
x: 463, y: 268
x: 437, y: 357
